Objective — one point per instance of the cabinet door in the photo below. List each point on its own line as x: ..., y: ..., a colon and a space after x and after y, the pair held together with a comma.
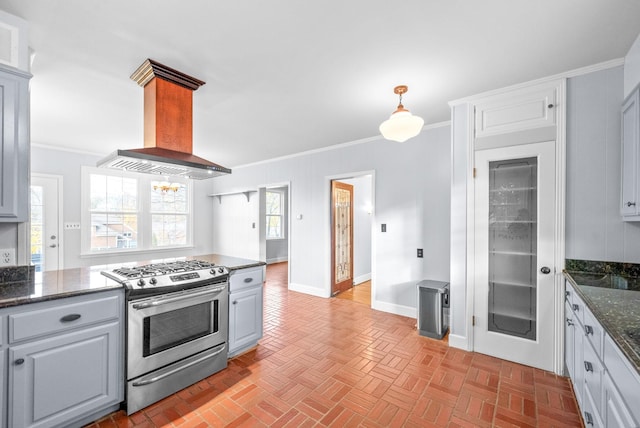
x: 616, y: 413
x: 528, y: 108
x: 56, y: 380
x: 578, y: 360
x: 14, y: 148
x: 245, y: 318
x: 630, y: 142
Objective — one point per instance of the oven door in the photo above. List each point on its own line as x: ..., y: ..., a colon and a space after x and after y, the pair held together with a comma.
x: 167, y: 328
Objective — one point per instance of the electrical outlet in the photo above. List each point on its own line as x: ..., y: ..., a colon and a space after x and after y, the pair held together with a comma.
x: 7, y: 257
x: 420, y: 252
x: 68, y: 226
x: 383, y: 227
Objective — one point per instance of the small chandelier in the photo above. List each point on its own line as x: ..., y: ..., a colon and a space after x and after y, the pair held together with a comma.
x: 402, y: 125
x: 165, y: 186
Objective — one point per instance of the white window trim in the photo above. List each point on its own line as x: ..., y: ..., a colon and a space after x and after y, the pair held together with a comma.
x: 144, y: 213
x: 283, y: 234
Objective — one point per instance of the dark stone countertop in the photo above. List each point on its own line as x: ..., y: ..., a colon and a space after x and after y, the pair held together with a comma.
x: 618, y: 311
x: 21, y: 285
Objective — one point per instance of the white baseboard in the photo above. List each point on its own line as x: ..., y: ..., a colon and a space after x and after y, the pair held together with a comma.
x: 460, y: 342
x: 362, y: 278
x: 406, y: 311
x: 307, y: 289
x: 277, y: 260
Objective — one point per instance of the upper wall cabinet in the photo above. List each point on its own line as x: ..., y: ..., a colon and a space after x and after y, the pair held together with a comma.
x: 14, y: 145
x: 528, y: 108
x: 630, y: 160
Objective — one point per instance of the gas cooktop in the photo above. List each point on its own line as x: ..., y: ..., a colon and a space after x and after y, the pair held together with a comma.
x: 163, y: 277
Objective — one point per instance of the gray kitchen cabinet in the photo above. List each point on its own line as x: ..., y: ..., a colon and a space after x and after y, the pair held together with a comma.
x: 630, y: 202
x: 65, y: 360
x: 14, y: 145
x: 245, y: 309
x: 602, y: 379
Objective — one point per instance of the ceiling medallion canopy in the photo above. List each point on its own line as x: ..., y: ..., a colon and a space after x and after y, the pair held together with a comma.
x: 402, y: 125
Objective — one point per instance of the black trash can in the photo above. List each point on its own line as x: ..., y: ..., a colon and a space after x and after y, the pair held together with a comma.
x: 433, y: 308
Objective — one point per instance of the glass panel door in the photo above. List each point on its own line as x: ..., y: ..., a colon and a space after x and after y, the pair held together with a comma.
x: 512, y: 247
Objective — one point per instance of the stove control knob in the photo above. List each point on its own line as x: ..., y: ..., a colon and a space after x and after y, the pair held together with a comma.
x: 221, y: 270
x: 153, y: 281
x: 212, y: 271
x: 141, y: 282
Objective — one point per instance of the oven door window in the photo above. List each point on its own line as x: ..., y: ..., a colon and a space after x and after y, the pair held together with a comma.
x: 174, y: 328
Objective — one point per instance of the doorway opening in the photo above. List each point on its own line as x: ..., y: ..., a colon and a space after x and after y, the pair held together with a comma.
x: 275, y: 230
x: 351, y: 219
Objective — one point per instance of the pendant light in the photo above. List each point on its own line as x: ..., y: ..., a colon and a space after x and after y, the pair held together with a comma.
x: 402, y: 125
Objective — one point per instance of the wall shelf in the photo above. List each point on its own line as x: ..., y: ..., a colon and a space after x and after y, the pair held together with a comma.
x: 246, y: 193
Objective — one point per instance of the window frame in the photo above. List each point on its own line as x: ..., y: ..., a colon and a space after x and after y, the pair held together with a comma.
x: 143, y: 212
x: 281, y: 215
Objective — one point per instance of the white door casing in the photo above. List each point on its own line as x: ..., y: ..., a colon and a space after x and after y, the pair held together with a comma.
x: 537, y: 352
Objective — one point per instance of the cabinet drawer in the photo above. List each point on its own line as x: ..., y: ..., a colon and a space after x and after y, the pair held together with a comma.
x: 593, y: 372
x: 593, y: 331
x: 624, y: 377
x: 56, y: 319
x: 590, y: 414
x: 246, y: 278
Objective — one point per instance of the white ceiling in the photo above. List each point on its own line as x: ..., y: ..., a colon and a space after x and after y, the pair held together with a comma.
x: 286, y: 76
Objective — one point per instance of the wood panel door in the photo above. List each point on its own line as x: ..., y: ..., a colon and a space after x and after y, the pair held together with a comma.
x: 341, y: 237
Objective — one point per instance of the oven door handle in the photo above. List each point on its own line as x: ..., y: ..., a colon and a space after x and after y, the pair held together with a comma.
x: 175, y: 370
x: 189, y: 295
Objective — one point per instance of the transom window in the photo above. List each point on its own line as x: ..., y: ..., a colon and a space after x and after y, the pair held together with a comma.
x: 128, y: 212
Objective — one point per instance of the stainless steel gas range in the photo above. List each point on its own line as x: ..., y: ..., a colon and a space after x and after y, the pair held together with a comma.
x: 177, y: 322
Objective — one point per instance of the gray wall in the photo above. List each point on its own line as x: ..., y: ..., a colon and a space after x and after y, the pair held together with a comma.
x: 594, y: 227
x: 68, y: 165
x: 411, y: 188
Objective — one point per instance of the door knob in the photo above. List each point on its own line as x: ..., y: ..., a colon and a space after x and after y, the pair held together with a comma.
x: 545, y: 270
x: 53, y: 236
x: 52, y: 246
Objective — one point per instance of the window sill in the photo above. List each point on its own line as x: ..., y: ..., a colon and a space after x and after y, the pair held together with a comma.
x: 276, y: 239
x: 136, y: 251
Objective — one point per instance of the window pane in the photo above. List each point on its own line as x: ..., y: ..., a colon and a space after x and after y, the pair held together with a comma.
x: 274, y: 226
x: 110, y: 231
x: 274, y: 203
x: 112, y: 193
x: 168, y: 197
x: 168, y: 230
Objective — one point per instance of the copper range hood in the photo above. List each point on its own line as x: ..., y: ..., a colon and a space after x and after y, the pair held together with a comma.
x: 168, y: 128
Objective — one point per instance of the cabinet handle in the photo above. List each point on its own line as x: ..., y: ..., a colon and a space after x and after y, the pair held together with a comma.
x: 569, y: 321
x: 19, y: 361
x: 588, y: 330
x: 567, y: 293
x: 248, y: 280
x: 235, y: 302
x: 588, y: 366
x: 588, y: 418
x: 550, y: 106
x: 631, y: 204
x: 575, y: 307
x: 70, y: 317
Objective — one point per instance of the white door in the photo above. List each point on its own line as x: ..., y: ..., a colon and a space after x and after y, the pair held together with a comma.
x: 515, y: 203
x: 45, y: 222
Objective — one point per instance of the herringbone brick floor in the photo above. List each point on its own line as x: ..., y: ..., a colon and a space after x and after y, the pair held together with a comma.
x: 335, y: 362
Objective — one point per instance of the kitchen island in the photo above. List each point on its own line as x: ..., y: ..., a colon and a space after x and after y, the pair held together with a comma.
x: 62, y: 338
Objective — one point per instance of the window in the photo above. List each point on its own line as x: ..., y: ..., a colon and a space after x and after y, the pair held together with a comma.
x: 275, y: 214
x: 125, y: 212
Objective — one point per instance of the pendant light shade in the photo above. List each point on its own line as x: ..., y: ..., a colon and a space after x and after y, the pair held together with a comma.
x: 402, y: 125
